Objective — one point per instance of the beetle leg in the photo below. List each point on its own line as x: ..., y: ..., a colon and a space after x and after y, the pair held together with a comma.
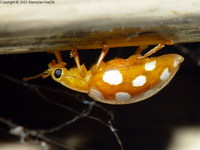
x: 82, y: 69
x: 102, y: 55
x: 152, y: 51
x: 58, y: 56
x: 141, y: 48
x: 74, y: 54
x: 104, y: 51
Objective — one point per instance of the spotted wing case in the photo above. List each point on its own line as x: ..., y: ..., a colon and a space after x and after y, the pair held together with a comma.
x: 124, y: 81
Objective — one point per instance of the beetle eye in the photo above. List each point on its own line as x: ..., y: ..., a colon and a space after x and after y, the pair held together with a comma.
x: 57, y: 73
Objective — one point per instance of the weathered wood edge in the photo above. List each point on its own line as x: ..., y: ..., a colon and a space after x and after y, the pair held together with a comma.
x: 41, y: 30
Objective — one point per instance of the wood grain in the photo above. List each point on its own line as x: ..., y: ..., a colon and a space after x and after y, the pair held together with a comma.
x: 87, y: 24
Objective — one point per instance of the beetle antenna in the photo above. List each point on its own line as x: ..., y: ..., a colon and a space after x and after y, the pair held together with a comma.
x: 45, y: 74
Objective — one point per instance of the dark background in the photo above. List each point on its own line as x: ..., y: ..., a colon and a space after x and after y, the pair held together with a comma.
x: 145, y: 125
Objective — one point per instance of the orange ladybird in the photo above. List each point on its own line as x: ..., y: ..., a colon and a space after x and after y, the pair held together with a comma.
x: 118, y: 81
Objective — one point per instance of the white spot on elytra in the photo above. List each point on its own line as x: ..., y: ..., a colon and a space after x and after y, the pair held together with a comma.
x: 165, y: 74
x: 122, y: 96
x: 175, y: 64
x: 113, y: 77
x: 139, y: 81
x: 96, y: 94
x: 150, y: 66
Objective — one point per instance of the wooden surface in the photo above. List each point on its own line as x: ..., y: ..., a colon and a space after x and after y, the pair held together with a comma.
x: 87, y: 24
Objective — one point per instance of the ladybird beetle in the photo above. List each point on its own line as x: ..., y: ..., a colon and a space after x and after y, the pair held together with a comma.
x: 118, y: 81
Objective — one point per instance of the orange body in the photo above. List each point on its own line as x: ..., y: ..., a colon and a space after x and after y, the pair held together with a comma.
x: 118, y: 81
